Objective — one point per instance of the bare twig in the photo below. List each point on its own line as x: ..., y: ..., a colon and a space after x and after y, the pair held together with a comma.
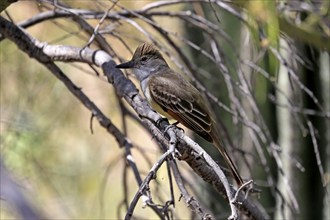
x: 145, y: 184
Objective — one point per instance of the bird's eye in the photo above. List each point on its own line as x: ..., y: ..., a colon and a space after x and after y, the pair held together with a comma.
x: 144, y: 58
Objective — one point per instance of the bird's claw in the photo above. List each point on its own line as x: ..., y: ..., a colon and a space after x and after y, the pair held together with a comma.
x: 162, y: 122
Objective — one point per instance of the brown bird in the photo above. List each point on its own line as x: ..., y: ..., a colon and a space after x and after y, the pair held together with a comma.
x: 174, y: 97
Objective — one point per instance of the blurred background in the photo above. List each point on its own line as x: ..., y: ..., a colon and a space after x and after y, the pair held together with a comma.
x: 263, y: 66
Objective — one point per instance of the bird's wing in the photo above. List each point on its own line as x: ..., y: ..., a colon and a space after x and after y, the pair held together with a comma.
x: 182, y: 101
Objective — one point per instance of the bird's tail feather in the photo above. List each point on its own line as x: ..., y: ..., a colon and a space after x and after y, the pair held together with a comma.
x: 228, y: 160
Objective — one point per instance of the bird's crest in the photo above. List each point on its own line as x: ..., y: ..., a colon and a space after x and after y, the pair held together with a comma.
x: 146, y: 49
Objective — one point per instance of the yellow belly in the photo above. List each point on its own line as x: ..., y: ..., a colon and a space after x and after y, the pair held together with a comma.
x: 155, y: 106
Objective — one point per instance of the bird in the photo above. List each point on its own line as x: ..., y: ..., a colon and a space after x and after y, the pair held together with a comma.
x: 174, y: 97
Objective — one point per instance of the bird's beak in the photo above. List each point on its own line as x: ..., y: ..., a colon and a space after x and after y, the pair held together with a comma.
x: 127, y: 65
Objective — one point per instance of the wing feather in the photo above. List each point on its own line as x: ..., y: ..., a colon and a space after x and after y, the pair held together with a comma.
x: 182, y: 101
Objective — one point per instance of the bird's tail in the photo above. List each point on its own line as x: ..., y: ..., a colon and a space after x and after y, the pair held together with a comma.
x: 227, y: 158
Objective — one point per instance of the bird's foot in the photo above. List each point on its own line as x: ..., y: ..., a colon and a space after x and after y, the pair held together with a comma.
x: 162, y: 123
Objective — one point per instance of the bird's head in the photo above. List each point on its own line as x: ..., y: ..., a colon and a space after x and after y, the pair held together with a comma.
x: 146, y: 60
